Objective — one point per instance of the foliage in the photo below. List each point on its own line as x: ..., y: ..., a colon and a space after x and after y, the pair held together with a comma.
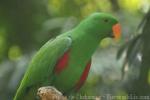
x: 138, y: 57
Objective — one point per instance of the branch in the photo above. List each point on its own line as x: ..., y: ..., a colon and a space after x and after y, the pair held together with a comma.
x: 50, y: 93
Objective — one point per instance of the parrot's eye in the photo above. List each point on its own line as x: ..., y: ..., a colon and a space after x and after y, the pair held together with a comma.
x: 106, y: 20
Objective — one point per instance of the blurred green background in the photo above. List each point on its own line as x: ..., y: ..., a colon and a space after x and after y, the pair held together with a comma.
x: 118, y: 68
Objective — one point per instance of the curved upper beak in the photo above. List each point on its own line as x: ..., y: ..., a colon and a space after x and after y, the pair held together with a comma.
x: 116, y: 31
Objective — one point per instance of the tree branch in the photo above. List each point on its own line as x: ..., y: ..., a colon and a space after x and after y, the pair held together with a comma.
x: 50, y: 93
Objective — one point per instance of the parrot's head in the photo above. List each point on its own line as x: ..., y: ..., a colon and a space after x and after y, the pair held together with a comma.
x: 102, y: 25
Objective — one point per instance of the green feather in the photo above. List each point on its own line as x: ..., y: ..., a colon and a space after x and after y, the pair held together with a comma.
x: 82, y: 42
x: 42, y: 65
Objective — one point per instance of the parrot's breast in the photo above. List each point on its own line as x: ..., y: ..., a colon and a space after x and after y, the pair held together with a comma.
x: 70, y: 72
x: 71, y: 69
x: 83, y: 77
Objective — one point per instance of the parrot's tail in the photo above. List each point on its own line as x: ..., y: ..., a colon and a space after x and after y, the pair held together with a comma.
x: 28, y: 93
x: 19, y: 94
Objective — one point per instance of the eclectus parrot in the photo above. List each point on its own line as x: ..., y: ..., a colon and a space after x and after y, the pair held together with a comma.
x: 64, y: 62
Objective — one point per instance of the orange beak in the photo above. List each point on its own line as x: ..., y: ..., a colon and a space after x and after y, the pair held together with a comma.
x: 116, y: 31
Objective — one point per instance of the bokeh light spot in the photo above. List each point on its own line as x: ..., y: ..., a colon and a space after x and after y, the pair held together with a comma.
x: 105, y: 42
x: 14, y: 52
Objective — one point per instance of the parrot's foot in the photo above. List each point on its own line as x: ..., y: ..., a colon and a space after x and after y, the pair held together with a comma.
x: 50, y: 93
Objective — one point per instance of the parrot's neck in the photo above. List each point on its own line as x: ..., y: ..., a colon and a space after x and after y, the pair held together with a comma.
x: 84, y: 43
x: 86, y: 37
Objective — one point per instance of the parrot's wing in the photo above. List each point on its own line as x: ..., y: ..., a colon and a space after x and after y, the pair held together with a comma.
x: 43, y: 63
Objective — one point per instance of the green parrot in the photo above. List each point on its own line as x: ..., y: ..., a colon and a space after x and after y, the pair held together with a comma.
x: 64, y: 62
